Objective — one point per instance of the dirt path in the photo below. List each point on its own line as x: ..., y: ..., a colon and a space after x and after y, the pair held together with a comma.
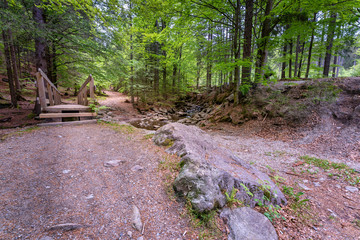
x: 56, y: 175
x: 120, y: 106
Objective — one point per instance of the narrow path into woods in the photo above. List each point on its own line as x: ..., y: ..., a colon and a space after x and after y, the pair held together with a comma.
x: 56, y: 175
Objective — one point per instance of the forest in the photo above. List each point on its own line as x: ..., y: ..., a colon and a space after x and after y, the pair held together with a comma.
x: 156, y: 50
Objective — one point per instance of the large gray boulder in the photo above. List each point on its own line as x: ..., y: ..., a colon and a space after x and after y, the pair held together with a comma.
x: 208, y: 171
x: 247, y: 224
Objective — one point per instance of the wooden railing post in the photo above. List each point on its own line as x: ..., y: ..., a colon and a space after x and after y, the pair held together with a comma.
x: 92, y: 87
x: 41, y: 90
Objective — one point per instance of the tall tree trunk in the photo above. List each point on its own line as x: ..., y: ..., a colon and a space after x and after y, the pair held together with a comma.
x: 264, y: 41
x: 198, y: 72
x: 132, y: 94
x: 301, y: 59
x: 249, y: 13
x: 14, y: 62
x: 283, y: 67
x: 334, y: 68
x: 297, y: 51
x: 329, y: 44
x: 290, y: 57
x: 13, y: 93
x: 18, y: 57
x: 40, y: 42
x: 179, y: 71
x: 156, y: 67
x: 310, y: 48
x: 209, y: 60
x: 174, y: 77
x: 236, y: 50
x: 164, y: 70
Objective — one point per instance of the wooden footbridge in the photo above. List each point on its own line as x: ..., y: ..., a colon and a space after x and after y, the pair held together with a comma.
x: 52, y: 107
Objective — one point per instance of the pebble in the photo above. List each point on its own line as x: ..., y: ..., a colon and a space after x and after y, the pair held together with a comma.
x: 136, y: 219
x: 113, y: 163
x: 90, y: 196
x: 46, y: 238
x: 305, y: 181
x: 129, y: 233
x: 60, y: 136
x: 332, y: 213
x: 304, y: 187
x: 322, y: 179
x: 66, y: 171
x: 351, y: 189
x: 140, y: 238
x: 137, y: 168
x: 338, y: 186
x: 317, y: 184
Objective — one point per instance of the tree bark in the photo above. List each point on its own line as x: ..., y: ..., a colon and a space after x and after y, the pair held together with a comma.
x: 297, y: 51
x: 40, y: 42
x: 290, y: 57
x: 283, y: 67
x: 329, y: 44
x: 310, y: 48
x: 13, y: 93
x: 301, y: 59
x: 334, y: 68
x: 264, y: 41
x: 249, y: 12
x: 236, y: 50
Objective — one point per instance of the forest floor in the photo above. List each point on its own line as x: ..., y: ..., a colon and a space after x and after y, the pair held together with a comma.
x: 56, y: 175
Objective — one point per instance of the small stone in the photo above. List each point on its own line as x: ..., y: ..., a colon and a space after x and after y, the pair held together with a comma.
x: 47, y: 187
x: 322, y: 179
x: 305, y: 181
x: 129, y: 233
x: 137, y: 168
x: 332, y: 213
x: 10, y: 147
x: 338, y: 186
x: 66, y: 171
x: 46, y: 238
x: 113, y: 163
x: 136, y: 219
x: 60, y: 136
x: 351, y: 189
x: 90, y: 196
x: 317, y: 184
x: 304, y: 187
x: 140, y: 238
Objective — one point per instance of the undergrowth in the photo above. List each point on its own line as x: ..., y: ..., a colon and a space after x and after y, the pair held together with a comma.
x: 20, y: 132
x: 339, y: 170
x: 127, y: 129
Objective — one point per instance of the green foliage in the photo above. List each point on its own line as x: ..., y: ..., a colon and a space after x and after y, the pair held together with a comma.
x: 231, y: 198
x: 340, y: 170
x: 95, y: 108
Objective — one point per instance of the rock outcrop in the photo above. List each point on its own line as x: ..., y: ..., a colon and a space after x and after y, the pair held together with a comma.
x: 247, y: 224
x: 208, y: 171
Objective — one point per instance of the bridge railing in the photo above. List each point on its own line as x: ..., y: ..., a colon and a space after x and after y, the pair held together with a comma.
x: 44, y: 86
x: 83, y: 91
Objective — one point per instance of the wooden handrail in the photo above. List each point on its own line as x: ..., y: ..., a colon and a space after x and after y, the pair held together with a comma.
x: 82, y: 95
x: 85, y: 83
x: 48, y: 80
x: 45, y: 85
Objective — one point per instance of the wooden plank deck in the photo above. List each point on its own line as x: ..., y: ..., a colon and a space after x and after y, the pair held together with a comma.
x: 68, y: 107
x: 64, y: 115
